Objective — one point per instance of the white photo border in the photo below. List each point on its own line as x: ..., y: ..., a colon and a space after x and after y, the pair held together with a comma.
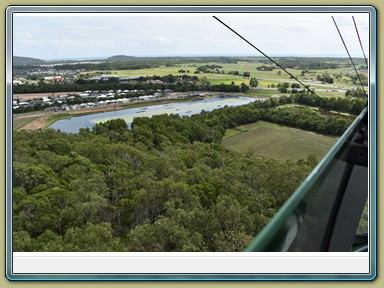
x: 10, y: 260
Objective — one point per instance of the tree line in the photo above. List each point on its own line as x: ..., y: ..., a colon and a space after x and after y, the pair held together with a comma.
x: 188, y: 83
x: 341, y: 104
x: 133, y: 63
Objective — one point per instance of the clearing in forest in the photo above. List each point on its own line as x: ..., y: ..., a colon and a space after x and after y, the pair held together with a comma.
x: 277, y: 142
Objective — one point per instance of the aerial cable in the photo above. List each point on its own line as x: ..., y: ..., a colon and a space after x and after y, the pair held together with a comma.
x: 282, y: 68
x: 345, y: 46
x: 358, y: 36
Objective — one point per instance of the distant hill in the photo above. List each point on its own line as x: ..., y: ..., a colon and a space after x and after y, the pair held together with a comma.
x: 120, y: 58
x: 17, y: 60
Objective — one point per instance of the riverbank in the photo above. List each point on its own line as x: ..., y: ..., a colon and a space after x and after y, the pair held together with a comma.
x: 182, y: 108
x: 42, y: 119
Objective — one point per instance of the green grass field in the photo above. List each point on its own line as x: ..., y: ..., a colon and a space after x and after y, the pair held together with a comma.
x: 278, y: 142
x: 330, y: 94
x: 266, y: 78
x: 277, y: 74
x: 261, y: 93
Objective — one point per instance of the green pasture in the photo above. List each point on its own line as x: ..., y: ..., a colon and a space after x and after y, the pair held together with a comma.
x: 160, y: 71
x: 276, y: 141
x: 330, y: 94
x: 265, y: 77
x: 261, y: 93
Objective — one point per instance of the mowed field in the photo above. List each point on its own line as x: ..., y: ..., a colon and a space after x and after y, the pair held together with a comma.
x: 278, y: 142
x: 265, y: 77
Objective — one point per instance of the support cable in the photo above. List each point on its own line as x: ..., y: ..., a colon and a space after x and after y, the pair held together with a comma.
x: 345, y: 46
x: 361, y: 45
x: 273, y: 61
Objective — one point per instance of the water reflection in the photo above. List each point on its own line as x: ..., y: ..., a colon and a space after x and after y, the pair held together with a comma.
x: 73, y: 125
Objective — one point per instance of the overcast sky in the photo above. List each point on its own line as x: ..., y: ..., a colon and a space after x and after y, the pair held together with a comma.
x: 67, y: 36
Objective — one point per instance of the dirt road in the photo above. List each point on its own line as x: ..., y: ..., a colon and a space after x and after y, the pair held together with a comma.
x: 40, y: 95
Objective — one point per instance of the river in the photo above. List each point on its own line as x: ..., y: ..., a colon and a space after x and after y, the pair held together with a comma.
x: 72, y: 125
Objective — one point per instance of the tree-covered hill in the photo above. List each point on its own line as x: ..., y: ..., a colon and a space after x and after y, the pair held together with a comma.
x: 119, y: 58
x: 17, y: 60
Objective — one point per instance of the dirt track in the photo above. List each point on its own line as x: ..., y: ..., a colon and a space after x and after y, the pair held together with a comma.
x: 40, y: 95
x: 37, y: 124
x: 43, y: 116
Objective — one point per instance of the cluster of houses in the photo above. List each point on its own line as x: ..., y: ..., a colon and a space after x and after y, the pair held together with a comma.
x: 54, y: 78
x: 113, y: 77
x: 44, y: 71
x: 49, y: 79
x: 87, y: 99
x: 124, y: 79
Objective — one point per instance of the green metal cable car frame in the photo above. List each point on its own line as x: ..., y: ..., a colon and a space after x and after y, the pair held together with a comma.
x: 323, y: 214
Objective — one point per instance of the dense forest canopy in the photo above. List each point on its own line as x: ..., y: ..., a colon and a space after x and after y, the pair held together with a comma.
x: 172, y: 82
x: 166, y: 184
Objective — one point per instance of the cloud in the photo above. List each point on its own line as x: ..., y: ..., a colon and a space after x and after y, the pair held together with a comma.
x: 21, y: 35
x: 77, y: 36
x: 161, y: 40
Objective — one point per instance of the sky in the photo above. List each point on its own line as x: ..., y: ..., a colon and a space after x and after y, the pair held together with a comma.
x: 85, y: 36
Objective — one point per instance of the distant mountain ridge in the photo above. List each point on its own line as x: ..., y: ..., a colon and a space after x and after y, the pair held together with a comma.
x: 18, y: 60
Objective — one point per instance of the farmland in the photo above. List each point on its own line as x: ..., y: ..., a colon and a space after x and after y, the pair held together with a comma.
x: 277, y: 142
x: 265, y: 77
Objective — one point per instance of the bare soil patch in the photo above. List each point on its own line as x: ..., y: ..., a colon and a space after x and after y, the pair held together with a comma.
x: 37, y: 124
x: 40, y: 95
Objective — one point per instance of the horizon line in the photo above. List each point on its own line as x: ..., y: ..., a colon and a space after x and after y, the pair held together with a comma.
x: 185, y: 56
